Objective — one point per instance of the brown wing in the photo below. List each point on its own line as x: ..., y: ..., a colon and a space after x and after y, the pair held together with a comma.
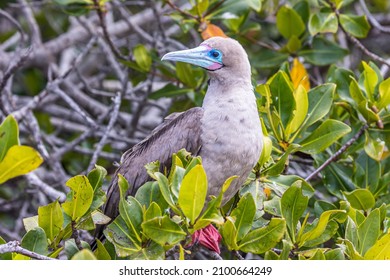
x: 178, y: 131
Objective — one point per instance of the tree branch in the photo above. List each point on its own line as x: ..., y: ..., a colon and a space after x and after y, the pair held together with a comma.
x: 14, y: 247
x: 338, y: 153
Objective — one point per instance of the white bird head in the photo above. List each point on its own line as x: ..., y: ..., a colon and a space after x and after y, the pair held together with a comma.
x: 224, y: 58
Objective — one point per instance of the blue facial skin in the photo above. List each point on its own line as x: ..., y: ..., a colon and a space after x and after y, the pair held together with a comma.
x: 203, y: 56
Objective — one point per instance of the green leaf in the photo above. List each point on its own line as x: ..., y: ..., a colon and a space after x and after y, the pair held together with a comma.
x: 150, y: 192
x: 351, y: 251
x: 357, y: 26
x: 229, y: 234
x: 84, y: 254
x: 142, y: 57
x: 19, y: 160
x: 351, y: 231
x: 96, y: 177
x: 9, y: 135
x: 335, y: 254
x: 323, y: 22
x: 131, y: 212
x: 282, y: 97
x: 163, y: 231
x: 81, y: 200
x: 152, y: 212
x: 50, y: 219
x: 269, y: 59
x: 119, y: 234
x: 384, y: 95
x: 380, y: 250
x: 35, y: 240
x: 324, y: 136
x: 279, y: 166
x: 369, y: 231
x: 319, y: 229
x: 101, y: 252
x: 323, y: 52
x: 293, y: 204
x: 320, y: 102
x: 192, y: 194
x: 329, y: 232
x: 165, y: 191
x: 262, y: 239
x: 289, y: 22
x: 5, y: 256
x: 342, y: 78
x: 338, y: 178
x: 153, y: 251
x: 293, y: 44
x: 244, y: 214
x: 360, y: 199
x: 370, y: 80
x: 374, y: 147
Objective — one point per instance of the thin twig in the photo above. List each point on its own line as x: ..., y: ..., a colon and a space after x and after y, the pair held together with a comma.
x: 14, y: 247
x: 173, y: 6
x: 372, y: 19
x: 338, y: 153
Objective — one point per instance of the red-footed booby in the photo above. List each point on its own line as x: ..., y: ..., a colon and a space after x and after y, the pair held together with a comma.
x: 225, y: 131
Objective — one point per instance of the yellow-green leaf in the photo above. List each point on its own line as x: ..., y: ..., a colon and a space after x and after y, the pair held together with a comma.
x: 380, y: 250
x: 50, y: 219
x: 9, y: 135
x: 19, y: 160
x: 192, y: 193
x: 81, y: 199
x: 384, y: 94
x: 84, y: 254
x: 361, y: 199
x: 300, y: 113
x: 163, y: 231
x: 142, y: 57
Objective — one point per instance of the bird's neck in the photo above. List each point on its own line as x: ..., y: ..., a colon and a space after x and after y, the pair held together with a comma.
x: 238, y: 92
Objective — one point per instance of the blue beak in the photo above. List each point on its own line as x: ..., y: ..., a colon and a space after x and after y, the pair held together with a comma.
x: 203, y: 56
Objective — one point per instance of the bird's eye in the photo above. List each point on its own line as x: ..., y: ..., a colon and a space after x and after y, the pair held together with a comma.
x: 215, y: 53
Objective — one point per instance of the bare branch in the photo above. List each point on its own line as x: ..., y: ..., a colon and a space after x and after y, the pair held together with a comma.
x: 14, y: 247
x: 336, y: 155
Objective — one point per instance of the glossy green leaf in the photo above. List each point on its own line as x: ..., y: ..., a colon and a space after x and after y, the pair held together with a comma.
x: 96, y: 177
x: 282, y: 97
x: 380, y: 250
x: 152, y: 212
x: 357, y: 26
x: 323, y: 22
x: 229, y: 234
x: 338, y: 178
x: 9, y: 135
x: 351, y: 231
x: 164, y: 189
x: 279, y: 166
x: 269, y: 59
x: 323, y: 52
x: 131, y: 212
x: 50, y: 219
x: 289, y: 22
x: 243, y: 215
x: 119, y: 234
x: 153, y: 251
x: 361, y: 199
x: 185, y: 74
x: 293, y: 44
x: 355, y: 92
x: 384, y: 94
x: 369, y: 231
x: 374, y: 147
x: 35, y: 240
x: 320, y: 102
x: 324, y: 136
x: 101, y: 252
x: 280, y: 184
x: 192, y: 194
x: 293, y: 204
x: 319, y: 229
x: 150, y: 192
x: 351, y: 251
x: 329, y: 232
x: 370, y: 80
x: 163, y: 231
x: 335, y: 254
x: 84, y: 254
x: 262, y: 239
x: 81, y: 197
x: 342, y: 78
x: 19, y: 160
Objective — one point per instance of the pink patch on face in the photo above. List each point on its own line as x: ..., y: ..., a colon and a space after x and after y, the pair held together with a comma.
x: 214, y: 66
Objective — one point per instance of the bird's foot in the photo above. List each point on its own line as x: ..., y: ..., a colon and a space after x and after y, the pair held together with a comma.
x: 208, y: 237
